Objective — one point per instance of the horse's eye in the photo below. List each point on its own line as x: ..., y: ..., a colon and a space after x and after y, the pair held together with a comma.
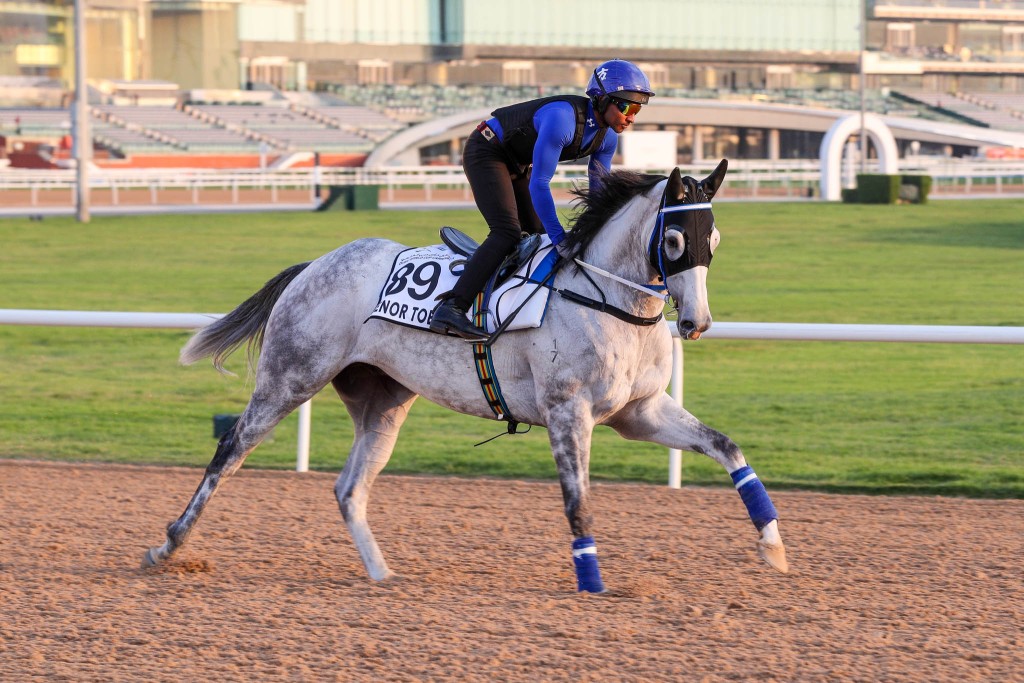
x: 673, y: 242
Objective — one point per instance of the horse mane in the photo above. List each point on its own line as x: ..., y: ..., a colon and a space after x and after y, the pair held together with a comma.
x: 597, y: 205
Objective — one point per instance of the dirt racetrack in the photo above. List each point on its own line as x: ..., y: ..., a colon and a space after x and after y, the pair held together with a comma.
x: 270, y: 586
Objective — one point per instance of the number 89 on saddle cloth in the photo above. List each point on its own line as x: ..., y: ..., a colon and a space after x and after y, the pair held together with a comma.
x: 419, y: 275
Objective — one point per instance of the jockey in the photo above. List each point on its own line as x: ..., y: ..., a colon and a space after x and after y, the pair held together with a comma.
x: 510, y: 159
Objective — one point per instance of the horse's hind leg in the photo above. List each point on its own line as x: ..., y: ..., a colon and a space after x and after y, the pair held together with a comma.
x: 378, y: 406
x: 260, y: 416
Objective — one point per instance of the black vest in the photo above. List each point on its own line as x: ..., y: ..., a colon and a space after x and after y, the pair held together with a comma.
x: 520, y: 136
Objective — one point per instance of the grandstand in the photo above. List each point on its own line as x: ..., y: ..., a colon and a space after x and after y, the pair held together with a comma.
x: 280, y: 78
x: 992, y: 110
x: 181, y: 131
x: 31, y: 122
x: 285, y: 129
x: 352, y: 121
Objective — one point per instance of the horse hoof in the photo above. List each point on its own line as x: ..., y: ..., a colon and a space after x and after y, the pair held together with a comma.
x: 149, y: 559
x: 774, y: 554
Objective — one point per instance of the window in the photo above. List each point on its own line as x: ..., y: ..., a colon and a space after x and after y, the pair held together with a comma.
x: 899, y: 37
x: 374, y: 71
x: 518, y: 73
x: 1013, y: 39
x: 657, y: 74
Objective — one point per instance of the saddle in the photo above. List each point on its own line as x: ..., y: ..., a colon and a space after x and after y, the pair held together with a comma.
x: 463, y: 244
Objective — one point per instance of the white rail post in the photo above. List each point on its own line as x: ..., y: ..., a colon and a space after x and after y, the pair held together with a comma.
x: 305, y: 420
x: 675, y: 456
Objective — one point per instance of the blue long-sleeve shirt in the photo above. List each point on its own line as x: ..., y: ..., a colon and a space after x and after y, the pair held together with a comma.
x: 555, y: 124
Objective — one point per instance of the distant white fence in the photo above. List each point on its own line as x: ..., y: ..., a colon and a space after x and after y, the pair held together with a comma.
x: 755, y: 179
x: 943, y: 334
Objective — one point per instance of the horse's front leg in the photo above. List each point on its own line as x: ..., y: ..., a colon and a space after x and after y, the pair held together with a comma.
x: 661, y: 420
x: 570, y: 428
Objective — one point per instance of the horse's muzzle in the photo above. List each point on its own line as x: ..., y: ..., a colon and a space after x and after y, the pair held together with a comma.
x: 690, y: 330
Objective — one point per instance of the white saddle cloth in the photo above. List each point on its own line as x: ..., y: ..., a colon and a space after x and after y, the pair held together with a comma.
x: 420, y: 274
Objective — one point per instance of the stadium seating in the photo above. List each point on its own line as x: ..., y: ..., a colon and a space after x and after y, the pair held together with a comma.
x: 181, y: 131
x: 287, y: 128
x: 354, y: 119
x: 32, y: 122
x: 1004, y: 111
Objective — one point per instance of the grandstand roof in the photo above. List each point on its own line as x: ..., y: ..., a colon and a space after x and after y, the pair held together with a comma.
x: 672, y: 111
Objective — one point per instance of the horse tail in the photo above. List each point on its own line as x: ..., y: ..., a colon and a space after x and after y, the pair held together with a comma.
x: 246, y: 323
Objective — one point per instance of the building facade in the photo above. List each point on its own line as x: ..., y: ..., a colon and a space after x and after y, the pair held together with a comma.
x: 741, y: 44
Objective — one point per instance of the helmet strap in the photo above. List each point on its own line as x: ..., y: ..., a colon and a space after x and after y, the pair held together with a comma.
x: 602, y: 101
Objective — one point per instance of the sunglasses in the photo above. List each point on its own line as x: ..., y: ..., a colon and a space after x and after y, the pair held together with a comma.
x: 627, y: 108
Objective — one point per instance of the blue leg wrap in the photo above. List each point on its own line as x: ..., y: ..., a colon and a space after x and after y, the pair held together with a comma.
x: 759, y: 505
x: 584, y: 556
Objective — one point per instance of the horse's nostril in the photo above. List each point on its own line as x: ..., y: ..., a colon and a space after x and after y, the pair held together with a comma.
x: 689, y: 329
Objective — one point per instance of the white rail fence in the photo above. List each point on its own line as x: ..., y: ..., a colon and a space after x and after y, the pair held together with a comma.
x: 943, y: 334
x: 751, y: 179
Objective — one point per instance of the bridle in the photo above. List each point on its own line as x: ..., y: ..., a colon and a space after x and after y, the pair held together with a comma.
x: 697, y: 253
x: 656, y: 250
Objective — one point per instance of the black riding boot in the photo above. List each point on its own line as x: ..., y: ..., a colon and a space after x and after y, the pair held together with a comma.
x: 451, y: 317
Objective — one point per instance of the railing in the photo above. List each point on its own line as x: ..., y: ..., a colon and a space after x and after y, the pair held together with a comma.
x: 747, y: 179
x: 721, y: 330
x: 953, y: 4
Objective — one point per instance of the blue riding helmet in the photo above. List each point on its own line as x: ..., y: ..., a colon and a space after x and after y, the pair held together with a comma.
x: 619, y: 79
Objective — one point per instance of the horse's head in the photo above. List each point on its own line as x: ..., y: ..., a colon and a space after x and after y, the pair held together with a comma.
x: 683, y: 243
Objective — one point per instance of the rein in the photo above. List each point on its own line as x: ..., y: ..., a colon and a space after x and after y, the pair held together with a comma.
x: 656, y: 291
x: 649, y: 290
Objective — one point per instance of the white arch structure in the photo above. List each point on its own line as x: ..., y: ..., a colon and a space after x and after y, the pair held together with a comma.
x: 831, y: 153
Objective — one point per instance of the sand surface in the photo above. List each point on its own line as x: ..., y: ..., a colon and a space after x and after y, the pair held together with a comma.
x: 270, y: 587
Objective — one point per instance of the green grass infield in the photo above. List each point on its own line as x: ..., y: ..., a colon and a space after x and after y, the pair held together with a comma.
x: 849, y: 417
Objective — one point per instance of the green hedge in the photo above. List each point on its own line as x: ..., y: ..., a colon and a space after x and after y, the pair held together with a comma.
x: 915, y: 188
x: 878, y: 188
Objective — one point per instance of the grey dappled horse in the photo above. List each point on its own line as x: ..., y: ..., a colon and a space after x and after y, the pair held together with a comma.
x: 603, y: 362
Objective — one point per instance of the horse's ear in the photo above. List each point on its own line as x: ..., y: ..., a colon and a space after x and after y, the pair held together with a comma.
x: 711, y: 184
x: 675, y: 189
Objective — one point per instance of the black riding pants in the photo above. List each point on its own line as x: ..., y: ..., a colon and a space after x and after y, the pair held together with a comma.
x: 506, y: 206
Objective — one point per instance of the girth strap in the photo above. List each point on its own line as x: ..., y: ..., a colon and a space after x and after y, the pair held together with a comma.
x: 484, y: 365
